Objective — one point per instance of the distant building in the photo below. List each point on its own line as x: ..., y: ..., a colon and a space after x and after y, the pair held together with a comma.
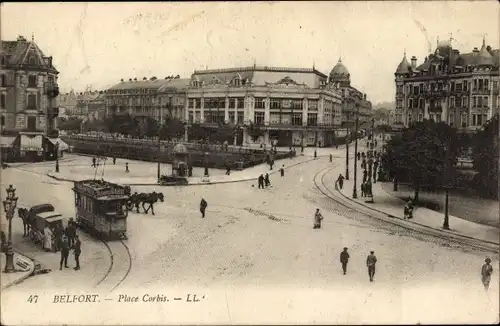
x: 293, y: 106
x: 351, y: 97
x: 459, y: 89
x: 28, y: 88
x: 155, y: 98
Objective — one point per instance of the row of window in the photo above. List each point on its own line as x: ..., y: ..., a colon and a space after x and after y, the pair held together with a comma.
x: 477, y: 101
x: 32, y: 81
x: 477, y: 84
x: 220, y: 102
x: 477, y: 119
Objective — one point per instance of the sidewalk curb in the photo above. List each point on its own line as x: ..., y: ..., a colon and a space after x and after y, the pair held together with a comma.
x: 409, y: 223
x: 195, y: 183
x: 28, y: 275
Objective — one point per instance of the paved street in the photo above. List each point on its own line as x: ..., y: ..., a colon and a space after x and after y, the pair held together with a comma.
x: 257, y: 240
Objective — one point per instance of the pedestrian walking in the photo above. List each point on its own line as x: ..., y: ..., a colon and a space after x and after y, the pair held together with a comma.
x: 371, y: 260
x: 363, y: 189
x: 260, y: 181
x: 315, y: 154
x: 344, y: 259
x: 358, y: 156
x: 340, y: 181
x: 203, y: 207
x: 64, y: 253
x: 317, y: 219
x: 486, y: 272
x: 77, y: 250
x: 266, y: 180
x: 93, y: 162
x: 114, y: 160
x: 331, y: 158
x: 126, y: 167
x: 271, y: 164
x: 228, y: 169
x: 282, y: 171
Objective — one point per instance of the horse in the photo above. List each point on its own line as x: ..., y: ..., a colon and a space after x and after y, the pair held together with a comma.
x: 151, y: 199
x: 134, y: 200
x: 23, y: 214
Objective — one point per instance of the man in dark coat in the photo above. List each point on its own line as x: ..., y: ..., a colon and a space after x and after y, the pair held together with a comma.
x: 114, y: 160
x: 58, y: 233
x: 126, y: 167
x: 315, y: 154
x: 77, y: 250
x: 344, y: 259
x: 371, y: 260
x: 282, y: 171
x: 260, y: 181
x: 93, y: 162
x: 203, y: 207
x: 64, y: 253
x: 331, y: 158
x: 340, y: 181
x: 266, y: 180
x: 70, y: 232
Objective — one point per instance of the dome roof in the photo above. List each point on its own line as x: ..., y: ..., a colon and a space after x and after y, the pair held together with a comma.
x: 180, y: 149
x: 339, y: 70
x: 404, y: 66
x: 484, y: 57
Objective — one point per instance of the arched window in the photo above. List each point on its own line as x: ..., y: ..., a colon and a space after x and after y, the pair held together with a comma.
x: 31, y: 60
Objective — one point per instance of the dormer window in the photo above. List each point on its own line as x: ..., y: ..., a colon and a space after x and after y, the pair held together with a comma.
x: 31, y: 61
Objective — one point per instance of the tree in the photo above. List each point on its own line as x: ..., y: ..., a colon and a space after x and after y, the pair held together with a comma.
x: 485, y: 158
x: 150, y: 127
x: 71, y: 124
x: 197, y: 132
x: 423, y: 153
x: 225, y: 132
x: 173, y: 128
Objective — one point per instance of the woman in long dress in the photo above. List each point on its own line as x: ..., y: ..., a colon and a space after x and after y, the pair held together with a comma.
x: 47, y: 239
x: 486, y: 272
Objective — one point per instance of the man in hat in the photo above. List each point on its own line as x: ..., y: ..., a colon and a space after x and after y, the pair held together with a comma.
x: 282, y: 170
x: 203, y: 207
x: 77, y: 250
x: 486, y: 272
x: 344, y: 258
x: 371, y: 260
x: 64, y: 253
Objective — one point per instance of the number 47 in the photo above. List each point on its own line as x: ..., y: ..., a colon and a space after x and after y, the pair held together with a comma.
x: 33, y: 298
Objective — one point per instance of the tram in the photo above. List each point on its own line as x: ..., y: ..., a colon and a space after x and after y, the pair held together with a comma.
x: 101, y: 209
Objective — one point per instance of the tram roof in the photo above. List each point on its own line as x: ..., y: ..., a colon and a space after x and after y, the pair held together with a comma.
x: 49, y: 215
x: 99, y: 189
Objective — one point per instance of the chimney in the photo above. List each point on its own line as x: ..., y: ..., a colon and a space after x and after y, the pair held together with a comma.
x: 135, y: 79
x: 121, y: 80
x: 456, y: 52
x: 475, y: 51
x: 21, y: 38
x: 130, y: 79
x: 414, y: 62
x: 144, y: 78
x: 364, y: 95
x: 488, y: 48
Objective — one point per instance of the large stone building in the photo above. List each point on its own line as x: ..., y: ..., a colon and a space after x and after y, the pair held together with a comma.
x: 289, y: 105
x: 28, y: 88
x: 354, y: 101
x: 88, y: 105
x: 155, y: 98
x: 461, y: 89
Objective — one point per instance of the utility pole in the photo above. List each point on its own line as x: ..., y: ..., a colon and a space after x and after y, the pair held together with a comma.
x: 159, y: 142
x: 354, y: 190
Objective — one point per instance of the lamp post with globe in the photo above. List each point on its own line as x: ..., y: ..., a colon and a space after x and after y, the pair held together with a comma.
x: 9, y: 205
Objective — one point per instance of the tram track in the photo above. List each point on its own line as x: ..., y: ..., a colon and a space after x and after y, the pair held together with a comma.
x: 119, y: 267
x: 424, y: 233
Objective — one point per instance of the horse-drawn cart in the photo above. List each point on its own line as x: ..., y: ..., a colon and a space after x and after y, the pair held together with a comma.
x: 40, y: 223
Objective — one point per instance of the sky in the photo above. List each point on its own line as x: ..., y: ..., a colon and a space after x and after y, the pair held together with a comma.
x: 97, y: 44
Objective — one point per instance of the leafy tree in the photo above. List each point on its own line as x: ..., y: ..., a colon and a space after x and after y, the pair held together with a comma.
x: 150, y: 127
x: 173, y: 128
x: 71, y: 123
x: 197, y: 132
x: 485, y: 155
x: 423, y: 154
x: 226, y: 132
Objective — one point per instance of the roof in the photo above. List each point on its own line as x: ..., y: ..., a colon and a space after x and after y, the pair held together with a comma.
x: 54, y: 219
x: 339, y: 70
x: 175, y: 84
x: 404, y: 66
x: 140, y: 84
x: 22, y: 52
x: 46, y: 215
x: 260, y: 75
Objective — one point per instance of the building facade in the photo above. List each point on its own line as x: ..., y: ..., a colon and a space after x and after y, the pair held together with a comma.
x: 28, y: 88
x: 88, y: 105
x: 461, y: 89
x: 154, y: 98
x: 354, y: 101
x: 288, y: 105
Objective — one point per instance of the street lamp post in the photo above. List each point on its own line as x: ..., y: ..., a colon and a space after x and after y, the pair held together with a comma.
x: 347, y: 154
x: 446, y: 222
x: 57, y: 157
x: 354, y: 189
x: 9, y: 205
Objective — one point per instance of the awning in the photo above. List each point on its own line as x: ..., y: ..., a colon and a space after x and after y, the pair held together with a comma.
x: 6, y: 141
x: 62, y: 145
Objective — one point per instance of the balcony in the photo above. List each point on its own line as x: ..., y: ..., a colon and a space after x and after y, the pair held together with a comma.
x: 481, y: 91
x: 51, y: 90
